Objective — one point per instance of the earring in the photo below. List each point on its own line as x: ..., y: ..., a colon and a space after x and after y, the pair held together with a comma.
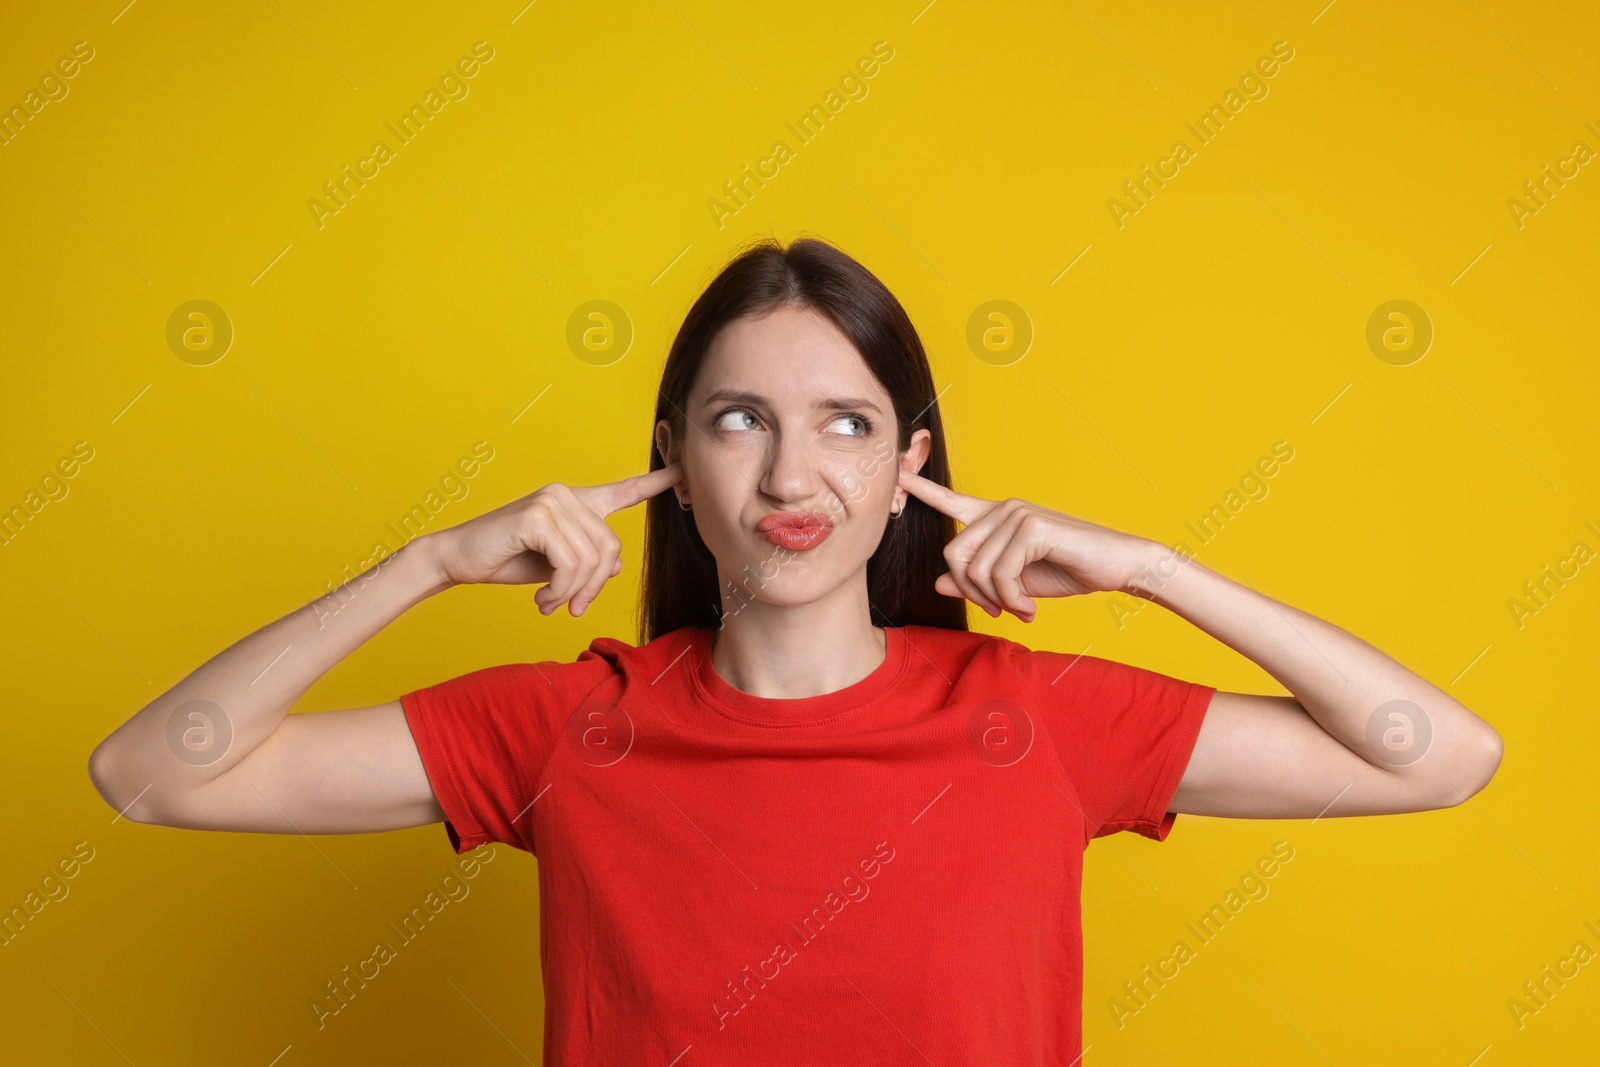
x: 895, y: 514
x: 684, y: 506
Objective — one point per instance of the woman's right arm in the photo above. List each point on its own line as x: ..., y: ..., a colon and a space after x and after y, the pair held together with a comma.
x: 220, y: 751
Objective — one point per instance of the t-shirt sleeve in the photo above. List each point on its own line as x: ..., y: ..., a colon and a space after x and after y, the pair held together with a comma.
x: 486, y: 736
x: 1124, y: 734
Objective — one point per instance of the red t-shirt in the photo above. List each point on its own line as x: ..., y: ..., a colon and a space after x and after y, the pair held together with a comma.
x: 886, y: 874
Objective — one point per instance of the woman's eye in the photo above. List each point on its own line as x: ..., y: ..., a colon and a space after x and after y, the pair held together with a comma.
x: 738, y: 417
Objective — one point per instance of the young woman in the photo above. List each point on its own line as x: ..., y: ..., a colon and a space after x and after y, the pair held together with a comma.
x: 810, y: 817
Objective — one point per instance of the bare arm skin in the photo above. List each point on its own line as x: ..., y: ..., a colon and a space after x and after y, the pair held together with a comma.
x: 331, y: 772
x: 357, y: 770
x: 1362, y: 734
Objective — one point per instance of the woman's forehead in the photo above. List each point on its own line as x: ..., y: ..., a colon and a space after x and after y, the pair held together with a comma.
x: 791, y: 356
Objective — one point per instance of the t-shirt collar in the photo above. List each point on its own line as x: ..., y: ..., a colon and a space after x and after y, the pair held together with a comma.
x: 795, y: 711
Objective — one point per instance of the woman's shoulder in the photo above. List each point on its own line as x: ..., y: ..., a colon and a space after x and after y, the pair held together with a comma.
x: 947, y: 638
x: 996, y: 654
x: 623, y: 655
x: 957, y: 652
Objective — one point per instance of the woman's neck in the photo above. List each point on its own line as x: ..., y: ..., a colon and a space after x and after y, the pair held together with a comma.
x: 783, y: 652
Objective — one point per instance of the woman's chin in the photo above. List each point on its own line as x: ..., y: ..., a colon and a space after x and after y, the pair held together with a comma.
x: 787, y: 589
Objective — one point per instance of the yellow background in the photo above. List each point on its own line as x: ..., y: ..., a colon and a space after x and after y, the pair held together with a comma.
x: 372, y: 352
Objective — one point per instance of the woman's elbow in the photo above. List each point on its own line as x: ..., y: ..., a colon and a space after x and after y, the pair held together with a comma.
x: 110, y: 780
x: 102, y: 772
x: 1494, y: 749
x: 1475, y: 767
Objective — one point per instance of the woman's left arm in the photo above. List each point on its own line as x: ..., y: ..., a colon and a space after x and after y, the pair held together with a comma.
x: 1361, y: 735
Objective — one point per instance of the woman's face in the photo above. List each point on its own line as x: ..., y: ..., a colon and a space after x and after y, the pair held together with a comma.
x: 786, y: 419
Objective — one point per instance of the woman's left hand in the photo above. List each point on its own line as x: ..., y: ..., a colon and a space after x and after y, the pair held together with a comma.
x: 1011, y: 551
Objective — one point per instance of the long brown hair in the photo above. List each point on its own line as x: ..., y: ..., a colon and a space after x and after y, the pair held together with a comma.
x: 679, y: 587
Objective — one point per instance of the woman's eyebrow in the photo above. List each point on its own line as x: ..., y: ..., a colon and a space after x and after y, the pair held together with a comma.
x: 840, y: 403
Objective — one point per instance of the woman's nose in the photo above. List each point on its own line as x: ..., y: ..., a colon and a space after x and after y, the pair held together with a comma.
x: 791, y: 469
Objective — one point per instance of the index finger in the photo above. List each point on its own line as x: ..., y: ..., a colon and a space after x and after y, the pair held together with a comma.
x: 959, y: 506
x: 614, y: 496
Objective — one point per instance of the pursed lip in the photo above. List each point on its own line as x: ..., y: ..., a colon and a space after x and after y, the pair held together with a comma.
x: 794, y: 519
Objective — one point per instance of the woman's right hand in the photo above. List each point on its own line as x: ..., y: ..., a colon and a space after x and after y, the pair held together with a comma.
x: 557, y: 534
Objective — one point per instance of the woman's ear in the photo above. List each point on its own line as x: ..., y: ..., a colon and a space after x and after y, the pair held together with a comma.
x: 664, y: 444
x: 912, y: 459
x: 668, y: 450
x: 917, y: 453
